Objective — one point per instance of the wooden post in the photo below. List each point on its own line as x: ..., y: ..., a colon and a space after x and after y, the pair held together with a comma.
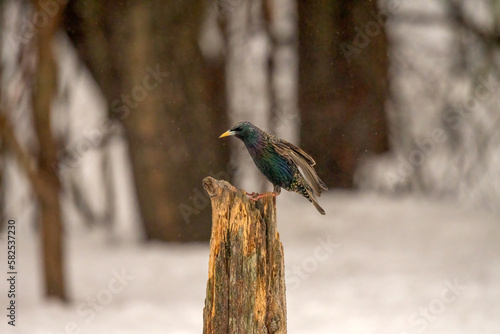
x: 246, y: 273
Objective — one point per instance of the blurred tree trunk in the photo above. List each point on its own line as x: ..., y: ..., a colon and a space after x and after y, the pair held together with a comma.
x: 44, y: 90
x: 3, y: 150
x: 145, y: 57
x: 261, y: 74
x: 284, y: 68
x: 3, y: 214
x: 342, y: 94
x: 247, y: 78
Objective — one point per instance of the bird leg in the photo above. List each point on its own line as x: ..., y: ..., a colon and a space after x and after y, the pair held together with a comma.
x: 276, y: 191
x: 256, y: 196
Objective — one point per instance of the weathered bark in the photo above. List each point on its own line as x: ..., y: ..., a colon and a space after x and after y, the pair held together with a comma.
x: 246, y: 275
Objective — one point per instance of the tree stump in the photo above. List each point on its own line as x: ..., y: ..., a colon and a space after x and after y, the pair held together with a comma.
x: 246, y: 274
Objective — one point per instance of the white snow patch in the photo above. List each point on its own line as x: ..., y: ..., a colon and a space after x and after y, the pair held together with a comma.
x: 388, y: 259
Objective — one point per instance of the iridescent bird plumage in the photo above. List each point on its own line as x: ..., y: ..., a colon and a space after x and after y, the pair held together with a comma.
x: 282, y: 163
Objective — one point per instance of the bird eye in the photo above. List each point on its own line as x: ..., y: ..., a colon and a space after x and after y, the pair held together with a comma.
x: 238, y: 129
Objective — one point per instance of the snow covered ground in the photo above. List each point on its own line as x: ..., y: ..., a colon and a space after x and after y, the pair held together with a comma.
x: 372, y: 265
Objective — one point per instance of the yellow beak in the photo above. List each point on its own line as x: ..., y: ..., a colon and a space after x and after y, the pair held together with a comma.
x: 227, y: 133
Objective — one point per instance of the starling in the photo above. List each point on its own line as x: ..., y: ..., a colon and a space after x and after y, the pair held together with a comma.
x: 282, y: 163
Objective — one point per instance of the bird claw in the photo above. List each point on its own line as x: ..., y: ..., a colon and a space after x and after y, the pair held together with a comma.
x: 256, y: 196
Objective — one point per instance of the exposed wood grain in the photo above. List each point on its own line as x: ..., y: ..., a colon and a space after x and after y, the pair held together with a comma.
x: 246, y: 275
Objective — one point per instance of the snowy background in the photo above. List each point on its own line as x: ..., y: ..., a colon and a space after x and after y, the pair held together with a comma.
x: 373, y: 264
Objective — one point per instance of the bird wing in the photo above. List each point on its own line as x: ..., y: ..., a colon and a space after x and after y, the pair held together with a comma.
x: 298, y: 151
x: 304, y: 162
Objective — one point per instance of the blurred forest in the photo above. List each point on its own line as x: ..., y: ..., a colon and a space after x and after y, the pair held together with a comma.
x: 110, y: 111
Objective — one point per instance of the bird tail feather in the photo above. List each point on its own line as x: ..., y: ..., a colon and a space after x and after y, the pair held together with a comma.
x: 308, y: 193
x: 316, y: 205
